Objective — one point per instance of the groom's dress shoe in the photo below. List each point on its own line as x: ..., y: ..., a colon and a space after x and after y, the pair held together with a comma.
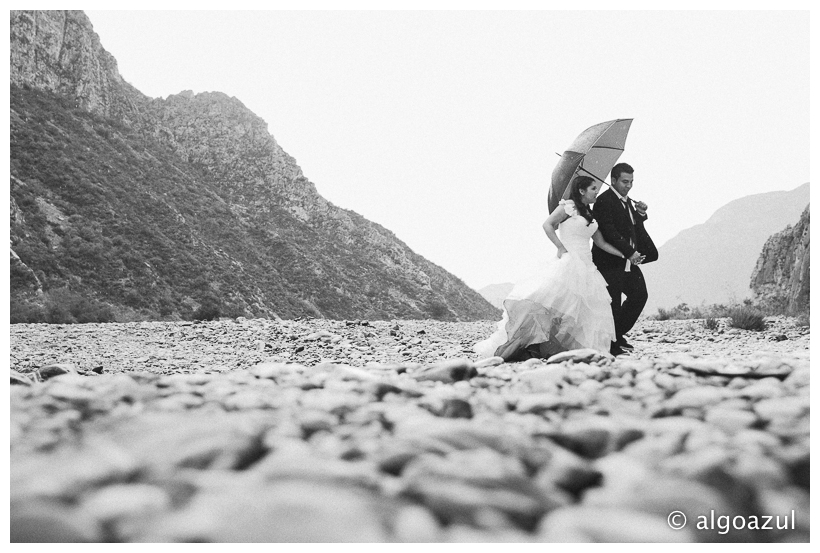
x: 623, y: 344
x: 616, y: 351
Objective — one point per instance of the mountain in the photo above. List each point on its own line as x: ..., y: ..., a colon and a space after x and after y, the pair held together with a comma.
x: 712, y: 262
x: 163, y: 206
x: 495, y: 293
x: 781, y: 275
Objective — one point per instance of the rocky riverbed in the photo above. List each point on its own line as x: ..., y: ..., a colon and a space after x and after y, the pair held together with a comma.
x: 357, y: 431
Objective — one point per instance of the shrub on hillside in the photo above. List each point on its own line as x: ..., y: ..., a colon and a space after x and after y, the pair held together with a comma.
x: 206, y: 312
x: 65, y: 306
x: 710, y: 323
x: 438, y: 310
x: 21, y: 311
x: 746, y: 318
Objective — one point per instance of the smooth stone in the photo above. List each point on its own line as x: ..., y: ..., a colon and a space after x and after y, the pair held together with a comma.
x: 699, y: 365
x: 590, y: 386
x: 448, y: 371
x: 204, y: 439
x: 693, y: 464
x: 698, y: 397
x: 50, y: 522
x: 676, y: 425
x: 673, y: 383
x: 274, y: 370
x: 771, y: 366
x: 801, y: 376
x: 595, y: 436
x: 460, y: 533
x: 659, y: 495
x: 455, y: 408
x: 247, y: 400
x: 69, y: 391
x: 120, y: 501
x: 537, y: 403
x: 761, y: 471
x: 764, y: 389
x: 730, y: 420
x: 586, y: 355
x: 69, y: 470
x: 291, y: 511
x: 608, y: 525
x: 415, y: 524
x: 489, y: 362
x: 567, y: 471
x: 544, y: 378
x: 177, y: 402
x: 456, y: 501
x: 57, y: 369
x: 296, y: 464
x: 654, y: 449
x: 18, y: 378
x: 781, y: 408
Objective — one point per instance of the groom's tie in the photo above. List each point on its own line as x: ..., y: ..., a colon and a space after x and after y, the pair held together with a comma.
x: 625, y: 201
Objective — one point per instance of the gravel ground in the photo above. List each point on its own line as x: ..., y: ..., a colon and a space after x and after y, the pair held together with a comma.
x: 361, y: 431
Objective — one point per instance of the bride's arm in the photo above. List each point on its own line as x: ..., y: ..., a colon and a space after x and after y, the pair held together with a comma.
x: 556, y: 217
x: 599, y: 241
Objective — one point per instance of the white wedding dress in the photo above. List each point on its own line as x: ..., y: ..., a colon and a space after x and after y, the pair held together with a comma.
x: 566, y: 307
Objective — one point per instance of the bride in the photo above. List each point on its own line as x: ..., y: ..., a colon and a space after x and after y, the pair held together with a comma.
x: 568, y: 306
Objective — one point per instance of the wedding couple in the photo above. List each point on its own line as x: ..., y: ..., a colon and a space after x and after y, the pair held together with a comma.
x: 577, y: 301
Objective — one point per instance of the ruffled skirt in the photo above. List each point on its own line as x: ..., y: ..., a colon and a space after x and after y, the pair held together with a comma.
x: 567, y: 307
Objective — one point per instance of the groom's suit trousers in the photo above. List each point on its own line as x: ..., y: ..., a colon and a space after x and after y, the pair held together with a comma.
x: 633, y: 286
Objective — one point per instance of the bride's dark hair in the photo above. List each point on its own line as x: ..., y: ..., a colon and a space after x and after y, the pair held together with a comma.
x: 581, y: 183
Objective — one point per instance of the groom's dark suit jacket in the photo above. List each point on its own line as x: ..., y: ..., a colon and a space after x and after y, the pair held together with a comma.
x: 617, y: 229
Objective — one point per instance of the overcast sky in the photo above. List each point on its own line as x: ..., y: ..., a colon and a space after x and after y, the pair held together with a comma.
x: 443, y: 126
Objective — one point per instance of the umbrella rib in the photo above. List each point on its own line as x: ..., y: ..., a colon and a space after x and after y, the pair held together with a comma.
x: 581, y: 168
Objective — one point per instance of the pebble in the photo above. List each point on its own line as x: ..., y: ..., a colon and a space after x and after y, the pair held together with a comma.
x: 50, y: 371
x: 19, y: 378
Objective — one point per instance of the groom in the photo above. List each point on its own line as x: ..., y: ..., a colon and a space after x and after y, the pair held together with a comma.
x: 620, y: 220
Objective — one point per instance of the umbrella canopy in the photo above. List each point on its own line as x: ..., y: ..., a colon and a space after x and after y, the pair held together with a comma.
x: 593, y: 153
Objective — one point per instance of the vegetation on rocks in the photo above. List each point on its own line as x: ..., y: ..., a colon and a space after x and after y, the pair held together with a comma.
x: 167, y: 208
x: 747, y: 318
x: 119, y: 218
x: 748, y: 315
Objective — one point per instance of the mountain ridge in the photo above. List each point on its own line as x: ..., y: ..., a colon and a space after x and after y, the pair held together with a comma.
x: 713, y: 261
x: 263, y: 219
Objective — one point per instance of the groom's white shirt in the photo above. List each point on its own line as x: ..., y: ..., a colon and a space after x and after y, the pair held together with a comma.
x: 625, y: 201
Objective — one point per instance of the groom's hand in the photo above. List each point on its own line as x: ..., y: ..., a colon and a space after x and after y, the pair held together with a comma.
x: 641, y: 208
x: 636, y: 258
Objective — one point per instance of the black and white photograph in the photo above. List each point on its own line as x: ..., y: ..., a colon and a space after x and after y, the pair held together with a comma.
x: 410, y: 273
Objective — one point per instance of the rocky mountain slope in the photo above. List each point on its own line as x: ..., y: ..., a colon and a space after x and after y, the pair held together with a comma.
x: 781, y: 275
x: 163, y: 205
x: 712, y: 262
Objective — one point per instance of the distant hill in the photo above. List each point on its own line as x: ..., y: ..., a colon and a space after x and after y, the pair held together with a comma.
x: 713, y: 262
x: 166, y: 205
x: 495, y: 293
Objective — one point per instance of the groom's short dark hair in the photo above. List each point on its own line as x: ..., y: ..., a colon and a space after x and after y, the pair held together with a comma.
x: 621, y: 168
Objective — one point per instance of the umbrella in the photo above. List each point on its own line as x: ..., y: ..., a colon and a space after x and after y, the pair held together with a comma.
x: 593, y: 153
